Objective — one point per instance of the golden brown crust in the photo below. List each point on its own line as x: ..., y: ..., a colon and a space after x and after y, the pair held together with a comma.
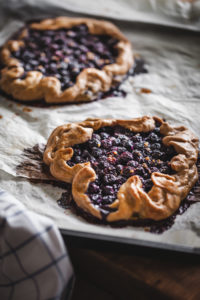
x: 168, y: 190
x: 58, y: 150
x: 88, y: 83
x: 79, y: 188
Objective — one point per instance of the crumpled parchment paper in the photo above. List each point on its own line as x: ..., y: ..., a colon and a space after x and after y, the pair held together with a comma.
x: 173, y: 61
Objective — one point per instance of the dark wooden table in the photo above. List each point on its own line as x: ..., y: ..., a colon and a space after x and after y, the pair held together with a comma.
x: 135, y: 273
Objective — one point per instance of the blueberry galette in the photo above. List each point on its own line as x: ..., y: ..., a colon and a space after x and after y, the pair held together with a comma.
x: 64, y: 60
x: 139, y: 168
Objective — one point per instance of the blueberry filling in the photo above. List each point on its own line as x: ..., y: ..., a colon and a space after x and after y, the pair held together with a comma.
x: 116, y: 153
x: 64, y: 53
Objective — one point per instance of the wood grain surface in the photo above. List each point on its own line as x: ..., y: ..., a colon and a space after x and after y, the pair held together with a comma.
x: 111, y: 275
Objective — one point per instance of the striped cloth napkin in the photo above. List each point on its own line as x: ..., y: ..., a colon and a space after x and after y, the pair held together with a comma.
x: 34, y: 264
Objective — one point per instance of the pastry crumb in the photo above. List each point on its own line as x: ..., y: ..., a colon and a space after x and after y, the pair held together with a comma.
x: 27, y: 109
x: 145, y: 91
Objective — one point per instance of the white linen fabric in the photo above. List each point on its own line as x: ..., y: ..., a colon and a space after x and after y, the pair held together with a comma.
x: 34, y: 263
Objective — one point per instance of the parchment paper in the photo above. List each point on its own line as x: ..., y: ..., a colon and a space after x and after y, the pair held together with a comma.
x: 173, y: 62
x: 175, y: 13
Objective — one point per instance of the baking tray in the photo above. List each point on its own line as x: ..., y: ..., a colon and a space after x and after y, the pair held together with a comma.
x: 175, y: 96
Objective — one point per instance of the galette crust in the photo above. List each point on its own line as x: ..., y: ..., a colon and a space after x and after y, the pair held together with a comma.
x: 168, y: 190
x: 88, y: 83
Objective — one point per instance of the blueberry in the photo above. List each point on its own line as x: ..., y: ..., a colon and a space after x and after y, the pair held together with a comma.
x: 43, y: 60
x: 63, y: 65
x: 96, y: 136
x: 148, y: 184
x: 170, y: 151
x: 104, y: 135
x: 128, y: 144
x: 138, y: 156
x: 156, y: 146
x: 103, y: 163
x: 108, y: 190
x: 32, y: 46
x: 27, y: 56
x: 153, y: 137
x: 64, y: 73
x: 82, y: 28
x: 110, y: 169
x: 28, y: 67
x: 77, y: 152
x: 49, y: 32
x: 58, y: 76
x: 119, y: 169
x: 157, y: 130
x: 115, y: 141
x: 94, y: 143
x: 109, y: 178
x: 157, y: 154
x: 106, y: 144
x: 86, y: 154
x: 120, y: 149
x: 137, y: 138
x: 54, y: 47
x: 108, y: 199
x: 154, y: 169
x: 67, y: 51
x: 125, y: 157
x: 120, y: 180
x: 45, y: 40
x: 96, y: 152
x: 77, y: 53
x: 139, y: 145
x: 96, y: 198
x: 133, y: 163
x: 52, y: 67
x: 70, y: 163
x: 128, y: 171
x: 164, y: 169
x: 78, y: 159
x: 93, y: 188
x: 17, y: 54
x: 140, y: 171
x: 34, y: 63
x: 59, y: 40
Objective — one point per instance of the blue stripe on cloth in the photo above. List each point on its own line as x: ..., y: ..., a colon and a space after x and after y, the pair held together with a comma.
x: 67, y: 293
x: 27, y: 241
x: 52, y: 258
x: 17, y: 213
x: 23, y: 269
x: 9, y: 206
x: 51, y: 255
x: 53, y: 263
x: 11, y: 284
